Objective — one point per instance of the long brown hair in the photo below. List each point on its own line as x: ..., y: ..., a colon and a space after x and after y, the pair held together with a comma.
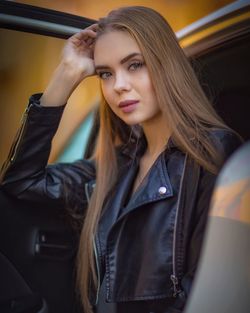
x: 188, y: 113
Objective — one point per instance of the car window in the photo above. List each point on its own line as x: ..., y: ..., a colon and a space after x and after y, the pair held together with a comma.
x: 226, y: 80
x: 26, y: 62
x: 76, y: 147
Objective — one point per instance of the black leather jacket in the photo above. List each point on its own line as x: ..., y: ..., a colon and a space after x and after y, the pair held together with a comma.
x: 148, y: 245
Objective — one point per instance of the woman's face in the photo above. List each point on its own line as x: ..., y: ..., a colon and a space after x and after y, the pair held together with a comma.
x: 125, y: 81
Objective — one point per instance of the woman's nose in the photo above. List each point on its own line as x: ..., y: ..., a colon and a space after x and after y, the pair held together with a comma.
x: 122, y: 83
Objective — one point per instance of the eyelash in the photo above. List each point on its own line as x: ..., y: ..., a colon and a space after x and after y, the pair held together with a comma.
x: 136, y: 65
x: 133, y: 67
x: 101, y: 75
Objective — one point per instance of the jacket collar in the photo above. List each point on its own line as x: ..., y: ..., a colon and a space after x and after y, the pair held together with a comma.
x: 117, y: 204
x: 136, y: 146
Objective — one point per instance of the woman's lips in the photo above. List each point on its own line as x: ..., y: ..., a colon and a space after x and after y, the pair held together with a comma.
x: 128, y: 105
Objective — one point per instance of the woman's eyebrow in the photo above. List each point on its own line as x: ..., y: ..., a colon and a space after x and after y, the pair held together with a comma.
x: 131, y: 55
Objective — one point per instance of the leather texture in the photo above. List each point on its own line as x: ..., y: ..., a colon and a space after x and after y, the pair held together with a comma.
x: 148, y: 244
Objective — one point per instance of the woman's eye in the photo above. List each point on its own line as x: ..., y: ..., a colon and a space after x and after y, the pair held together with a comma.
x: 135, y: 65
x: 104, y: 75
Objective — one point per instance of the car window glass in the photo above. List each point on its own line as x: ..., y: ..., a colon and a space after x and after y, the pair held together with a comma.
x: 26, y: 63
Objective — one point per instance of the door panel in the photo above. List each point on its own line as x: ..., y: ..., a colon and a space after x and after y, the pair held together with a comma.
x: 37, y: 257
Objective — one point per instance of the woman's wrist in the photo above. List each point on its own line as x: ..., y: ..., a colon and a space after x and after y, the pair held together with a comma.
x: 62, y: 84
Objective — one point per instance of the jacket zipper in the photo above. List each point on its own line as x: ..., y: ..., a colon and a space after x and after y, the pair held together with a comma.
x: 174, y: 276
x: 98, y: 271
x: 95, y: 254
x: 20, y: 136
x: 15, y: 146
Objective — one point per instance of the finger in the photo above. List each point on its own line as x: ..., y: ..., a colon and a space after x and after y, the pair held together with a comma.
x: 84, y: 34
x: 76, y: 41
x: 89, y: 41
x: 94, y: 27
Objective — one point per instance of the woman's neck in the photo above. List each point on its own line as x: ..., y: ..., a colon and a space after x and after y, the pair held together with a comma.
x: 157, y: 134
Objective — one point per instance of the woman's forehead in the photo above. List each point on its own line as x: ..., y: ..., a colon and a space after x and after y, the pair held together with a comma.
x: 114, y: 44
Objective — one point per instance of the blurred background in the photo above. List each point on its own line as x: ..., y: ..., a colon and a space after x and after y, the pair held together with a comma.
x: 28, y: 60
x: 178, y: 13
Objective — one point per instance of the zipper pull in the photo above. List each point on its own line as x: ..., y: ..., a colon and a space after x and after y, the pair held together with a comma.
x: 175, y: 282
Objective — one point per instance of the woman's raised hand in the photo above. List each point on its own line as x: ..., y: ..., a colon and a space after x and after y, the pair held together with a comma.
x: 76, y: 64
x: 78, y: 51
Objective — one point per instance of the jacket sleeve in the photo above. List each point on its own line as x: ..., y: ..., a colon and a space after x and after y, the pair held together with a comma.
x: 26, y: 175
x: 226, y: 142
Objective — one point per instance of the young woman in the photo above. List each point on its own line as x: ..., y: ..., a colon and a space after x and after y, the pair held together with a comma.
x: 159, y: 148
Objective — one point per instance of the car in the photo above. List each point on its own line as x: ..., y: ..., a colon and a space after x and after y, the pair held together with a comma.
x: 38, y: 244
x: 219, y: 45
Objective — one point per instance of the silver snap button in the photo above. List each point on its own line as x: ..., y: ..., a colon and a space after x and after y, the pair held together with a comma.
x: 162, y: 190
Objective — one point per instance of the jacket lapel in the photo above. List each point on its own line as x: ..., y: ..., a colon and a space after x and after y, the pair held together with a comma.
x: 155, y: 186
